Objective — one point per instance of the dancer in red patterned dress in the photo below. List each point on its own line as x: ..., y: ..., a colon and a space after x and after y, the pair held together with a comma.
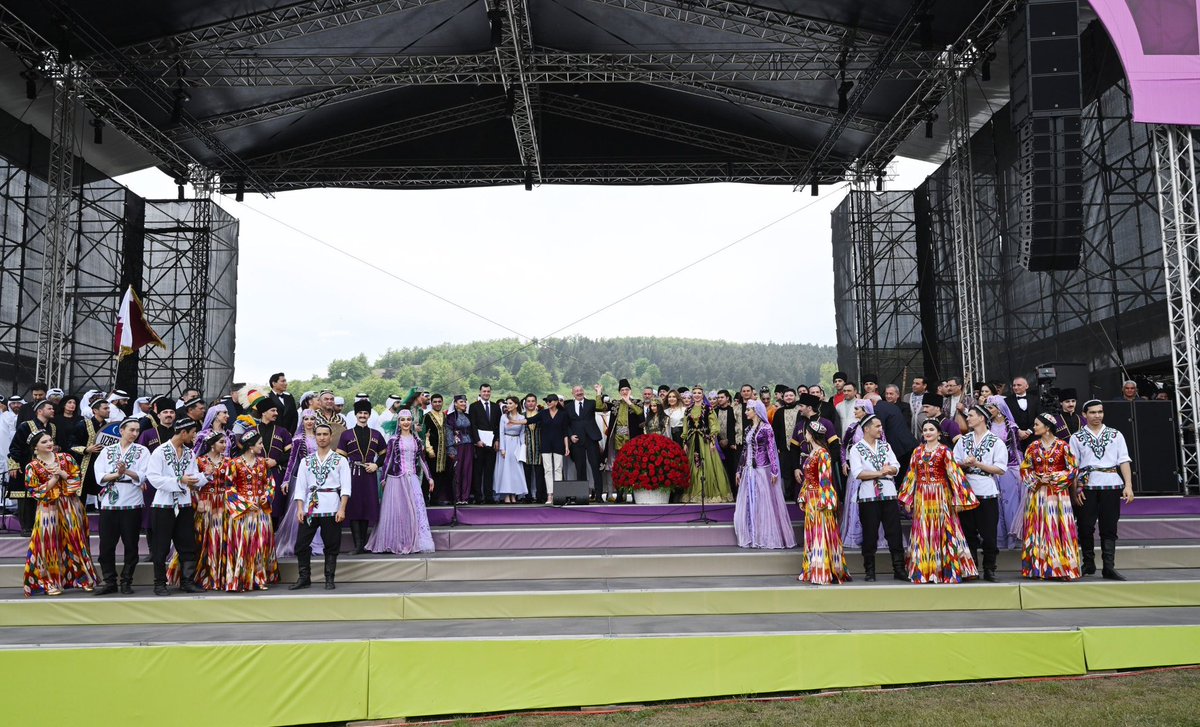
x: 58, y: 555
x: 934, y: 491
x: 250, y: 540
x: 824, y: 561
x: 1051, y: 540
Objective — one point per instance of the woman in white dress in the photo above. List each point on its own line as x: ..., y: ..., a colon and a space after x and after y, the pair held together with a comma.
x: 510, y: 468
x: 676, y: 412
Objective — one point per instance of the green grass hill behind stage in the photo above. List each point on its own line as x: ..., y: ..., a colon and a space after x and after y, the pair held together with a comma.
x: 555, y: 364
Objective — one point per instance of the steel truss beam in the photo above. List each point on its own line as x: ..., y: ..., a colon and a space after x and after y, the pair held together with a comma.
x: 513, y: 55
x: 743, y: 18
x: 543, y: 66
x: 790, y: 107
x: 1179, y: 211
x: 964, y: 239
x: 204, y: 182
x: 56, y: 258
x: 273, y: 26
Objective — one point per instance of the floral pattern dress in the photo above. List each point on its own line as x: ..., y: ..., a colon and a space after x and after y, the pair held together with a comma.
x: 250, y: 541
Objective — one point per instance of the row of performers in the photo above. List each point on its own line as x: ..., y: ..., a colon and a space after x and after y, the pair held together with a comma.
x: 213, y: 507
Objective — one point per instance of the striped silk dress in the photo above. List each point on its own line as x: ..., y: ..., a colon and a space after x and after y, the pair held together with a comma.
x: 58, y: 554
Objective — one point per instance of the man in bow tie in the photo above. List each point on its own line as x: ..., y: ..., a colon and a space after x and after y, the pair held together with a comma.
x: 1025, y: 407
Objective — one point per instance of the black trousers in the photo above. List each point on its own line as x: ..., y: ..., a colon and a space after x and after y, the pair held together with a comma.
x: 1099, y: 505
x: 483, y: 474
x: 586, y: 453
x: 789, y: 461
x: 535, y: 477
x: 873, y: 512
x: 443, y: 485
x: 26, y: 509
x: 979, y: 525
x: 733, y: 454
x: 124, y: 526
x: 331, y: 535
x: 168, y: 528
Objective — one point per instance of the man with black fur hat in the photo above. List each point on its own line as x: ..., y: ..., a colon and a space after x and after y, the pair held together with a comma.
x: 623, y: 425
x: 276, y: 443
x: 784, y: 423
x: 365, y: 449
x: 174, y: 475
x: 1071, y: 421
x: 931, y: 410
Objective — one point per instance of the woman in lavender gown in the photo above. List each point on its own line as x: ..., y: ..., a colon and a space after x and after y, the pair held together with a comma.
x: 1013, y: 494
x: 403, y: 525
x: 216, y: 420
x: 760, y: 517
x: 510, y: 467
x: 303, y: 444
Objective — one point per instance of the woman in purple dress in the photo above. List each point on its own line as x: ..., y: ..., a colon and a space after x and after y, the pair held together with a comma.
x: 1013, y: 494
x: 403, y: 525
x: 216, y: 420
x: 458, y: 432
x: 760, y: 517
x: 303, y: 444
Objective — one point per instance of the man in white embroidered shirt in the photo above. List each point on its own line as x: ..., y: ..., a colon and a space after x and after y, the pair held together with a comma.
x: 874, y: 467
x: 1104, y: 480
x: 172, y: 472
x: 982, y: 457
x: 119, y: 470
x: 322, y: 489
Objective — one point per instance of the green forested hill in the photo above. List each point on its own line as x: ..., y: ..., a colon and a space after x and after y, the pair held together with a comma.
x: 555, y: 364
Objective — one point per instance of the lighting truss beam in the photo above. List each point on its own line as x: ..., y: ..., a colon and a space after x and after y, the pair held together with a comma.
x: 790, y: 107
x: 544, y: 66
x: 275, y: 25
x: 513, y: 55
x: 777, y: 26
x: 285, y: 108
x: 1179, y: 213
x: 204, y: 183
x: 964, y: 239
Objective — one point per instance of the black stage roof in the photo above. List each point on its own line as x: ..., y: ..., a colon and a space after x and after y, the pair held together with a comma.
x: 444, y: 93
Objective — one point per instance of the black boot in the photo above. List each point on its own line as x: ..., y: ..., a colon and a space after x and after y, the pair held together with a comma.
x: 304, y: 579
x: 126, y: 587
x: 1108, y: 553
x: 160, y: 580
x: 108, y: 576
x: 187, y: 578
x: 330, y: 570
x: 107, y: 588
x: 1089, y: 560
x: 869, y: 567
x: 127, y: 578
x: 358, y: 533
x: 989, y: 567
x: 898, y: 571
x: 364, y: 535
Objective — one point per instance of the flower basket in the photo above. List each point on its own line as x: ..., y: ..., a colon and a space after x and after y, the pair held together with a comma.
x: 651, y: 462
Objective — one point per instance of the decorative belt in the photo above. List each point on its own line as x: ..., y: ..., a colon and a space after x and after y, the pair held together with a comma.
x: 314, y: 499
x: 623, y: 430
x: 1085, y: 474
x: 121, y: 507
x: 879, y: 498
x: 986, y: 497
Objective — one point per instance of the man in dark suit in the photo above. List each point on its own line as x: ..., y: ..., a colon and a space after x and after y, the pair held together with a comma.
x: 289, y: 413
x: 1024, y: 407
x: 585, y: 438
x: 896, y: 430
x: 485, y: 417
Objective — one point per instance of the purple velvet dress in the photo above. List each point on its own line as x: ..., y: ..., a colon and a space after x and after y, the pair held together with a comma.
x: 274, y: 441
x: 285, y: 534
x: 760, y: 516
x: 1013, y: 494
x: 403, y: 524
x: 364, y: 492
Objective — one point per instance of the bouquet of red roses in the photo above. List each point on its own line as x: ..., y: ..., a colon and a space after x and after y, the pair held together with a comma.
x: 651, y: 462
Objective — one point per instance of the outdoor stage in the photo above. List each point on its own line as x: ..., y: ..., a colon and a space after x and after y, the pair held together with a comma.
x: 527, y: 607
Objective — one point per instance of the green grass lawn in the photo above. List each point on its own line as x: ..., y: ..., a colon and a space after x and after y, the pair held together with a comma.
x: 1146, y: 698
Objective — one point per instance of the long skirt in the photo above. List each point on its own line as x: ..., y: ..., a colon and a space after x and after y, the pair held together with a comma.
x: 285, y: 536
x: 760, y: 518
x: 937, y: 549
x: 403, y: 525
x: 58, y: 555
x: 824, y: 561
x: 1051, y: 539
x: 1014, y: 499
x: 364, y: 498
x: 713, y: 480
x: 852, y: 534
x: 250, y: 552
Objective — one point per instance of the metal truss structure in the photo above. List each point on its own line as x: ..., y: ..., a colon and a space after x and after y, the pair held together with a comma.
x: 1179, y: 211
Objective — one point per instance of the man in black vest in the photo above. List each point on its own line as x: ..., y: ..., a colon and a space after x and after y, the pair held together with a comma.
x: 83, y: 445
x: 585, y: 438
x: 485, y: 425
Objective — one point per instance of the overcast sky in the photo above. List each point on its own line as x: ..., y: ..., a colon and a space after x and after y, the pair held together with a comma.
x: 532, y: 262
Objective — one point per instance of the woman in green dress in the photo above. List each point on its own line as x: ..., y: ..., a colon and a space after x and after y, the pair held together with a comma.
x: 700, y: 429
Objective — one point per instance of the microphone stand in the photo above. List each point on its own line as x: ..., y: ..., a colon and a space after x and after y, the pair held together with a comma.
x: 704, y: 518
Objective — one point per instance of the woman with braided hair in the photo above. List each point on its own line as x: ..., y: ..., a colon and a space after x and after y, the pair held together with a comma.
x: 700, y: 429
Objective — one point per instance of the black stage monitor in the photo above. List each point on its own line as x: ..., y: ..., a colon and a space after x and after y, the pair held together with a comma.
x: 571, y: 492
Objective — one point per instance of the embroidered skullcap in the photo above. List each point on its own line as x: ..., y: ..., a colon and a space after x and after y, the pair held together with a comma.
x: 126, y: 420
x: 1091, y: 402
x: 817, y: 427
x: 404, y: 414
x: 867, y: 420
x: 978, y: 408
x: 192, y: 402
x: 1048, y: 419
x: 33, y: 436
x: 184, y: 423
x: 249, y: 439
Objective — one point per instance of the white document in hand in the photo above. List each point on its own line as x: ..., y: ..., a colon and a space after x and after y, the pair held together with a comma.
x: 486, y: 437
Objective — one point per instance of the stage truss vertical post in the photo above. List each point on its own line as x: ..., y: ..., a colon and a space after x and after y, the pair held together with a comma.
x: 204, y: 182
x: 1178, y: 207
x: 513, y: 55
x: 964, y: 237
x: 56, y: 260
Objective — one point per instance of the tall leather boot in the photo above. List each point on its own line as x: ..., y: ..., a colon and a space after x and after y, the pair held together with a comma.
x: 898, y: 571
x: 358, y: 536
x: 1088, y: 556
x: 109, y: 580
x: 1108, y: 553
x: 160, y: 580
x: 127, y: 572
x: 989, y: 567
x: 364, y: 536
x: 187, y: 578
x: 330, y: 570
x: 869, y: 567
x: 304, y: 579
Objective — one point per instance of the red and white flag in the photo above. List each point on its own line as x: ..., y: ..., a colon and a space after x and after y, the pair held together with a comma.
x: 133, y: 332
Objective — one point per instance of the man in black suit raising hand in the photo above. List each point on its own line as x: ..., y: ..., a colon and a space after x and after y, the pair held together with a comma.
x: 485, y: 431
x: 585, y: 438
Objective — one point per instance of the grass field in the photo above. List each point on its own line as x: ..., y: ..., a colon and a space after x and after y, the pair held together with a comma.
x: 1170, y: 697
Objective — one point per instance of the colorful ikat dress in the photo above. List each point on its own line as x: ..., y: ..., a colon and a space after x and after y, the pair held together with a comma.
x: 935, y: 490
x: 249, y: 538
x: 824, y: 561
x: 58, y: 554
x: 1051, y: 538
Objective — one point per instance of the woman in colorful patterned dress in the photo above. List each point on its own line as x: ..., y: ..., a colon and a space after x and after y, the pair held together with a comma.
x: 303, y: 444
x: 761, y: 518
x: 1051, y: 539
x: 403, y: 525
x: 824, y: 561
x: 250, y: 541
x: 209, y: 504
x: 934, y: 491
x: 58, y: 554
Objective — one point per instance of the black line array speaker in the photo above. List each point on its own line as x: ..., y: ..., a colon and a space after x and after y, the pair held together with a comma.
x: 1046, y: 114
x: 1152, y: 436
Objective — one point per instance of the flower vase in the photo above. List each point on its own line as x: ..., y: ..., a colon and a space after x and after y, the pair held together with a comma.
x: 652, y: 497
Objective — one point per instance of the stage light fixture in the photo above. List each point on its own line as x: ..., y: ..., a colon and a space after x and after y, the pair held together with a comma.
x: 844, y: 96
x: 510, y: 101
x: 816, y: 188
x: 179, y: 190
x: 879, y: 183
x: 97, y: 131
x: 181, y: 97
x: 240, y: 192
x: 528, y: 179
x: 929, y: 125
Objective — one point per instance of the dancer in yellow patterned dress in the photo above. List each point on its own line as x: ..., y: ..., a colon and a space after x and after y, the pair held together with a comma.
x: 934, y: 491
x: 1051, y: 539
x: 250, y: 540
x: 824, y: 561
x: 58, y: 555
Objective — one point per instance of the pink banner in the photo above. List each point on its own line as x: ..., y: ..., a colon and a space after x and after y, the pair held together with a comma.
x: 1159, y: 45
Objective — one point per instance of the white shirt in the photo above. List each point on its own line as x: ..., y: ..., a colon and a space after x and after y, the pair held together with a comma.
x: 328, y: 478
x: 865, y: 458
x: 1104, y: 449
x: 115, y: 414
x: 988, y: 450
x: 8, y: 429
x: 126, y: 492
x: 164, y: 471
